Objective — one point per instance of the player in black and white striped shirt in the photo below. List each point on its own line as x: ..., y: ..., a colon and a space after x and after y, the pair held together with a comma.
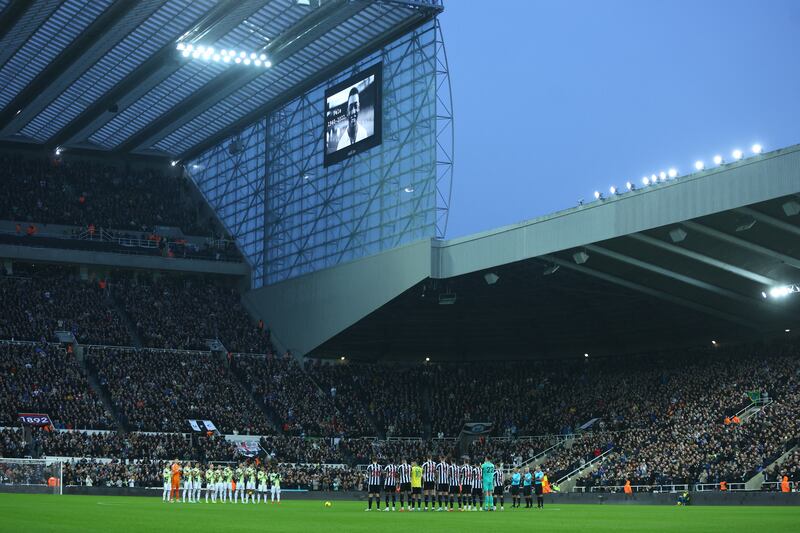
x: 442, y: 481
x: 390, y: 484
x: 499, y: 486
x: 374, y: 483
x: 465, y: 497
x: 453, y: 474
x: 429, y: 480
x: 404, y: 479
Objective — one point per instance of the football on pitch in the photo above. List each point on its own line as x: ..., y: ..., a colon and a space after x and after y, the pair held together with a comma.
x: 328, y: 504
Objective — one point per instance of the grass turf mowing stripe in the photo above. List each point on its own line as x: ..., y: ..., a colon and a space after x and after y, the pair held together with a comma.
x: 30, y: 513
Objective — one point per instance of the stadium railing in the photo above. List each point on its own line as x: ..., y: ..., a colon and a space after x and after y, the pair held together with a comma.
x: 775, y: 486
x: 584, y: 466
x: 708, y: 487
x: 635, y: 488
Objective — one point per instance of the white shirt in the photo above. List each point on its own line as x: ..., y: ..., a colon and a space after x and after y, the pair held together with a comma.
x: 344, y: 140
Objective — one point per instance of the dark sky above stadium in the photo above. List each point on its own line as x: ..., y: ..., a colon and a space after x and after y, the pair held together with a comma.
x: 556, y: 99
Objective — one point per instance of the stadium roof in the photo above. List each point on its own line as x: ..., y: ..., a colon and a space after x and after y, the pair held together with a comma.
x: 684, y: 262
x: 106, y: 75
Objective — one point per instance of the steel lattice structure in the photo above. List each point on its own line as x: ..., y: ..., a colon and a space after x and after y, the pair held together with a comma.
x: 291, y: 215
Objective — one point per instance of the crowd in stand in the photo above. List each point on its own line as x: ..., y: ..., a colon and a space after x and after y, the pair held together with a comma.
x: 40, y: 301
x: 159, y: 391
x: 299, y: 405
x: 181, y: 313
x: 82, y: 193
x: 45, y: 378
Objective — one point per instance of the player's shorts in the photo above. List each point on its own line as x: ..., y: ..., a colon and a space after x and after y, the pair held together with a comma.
x: 453, y: 489
x: 416, y: 490
x: 374, y: 489
x: 405, y: 487
x: 443, y: 487
x: 389, y: 488
x: 514, y: 490
x: 251, y: 485
x: 176, y: 484
x: 429, y: 485
x: 167, y: 485
x: 538, y: 489
x: 476, y: 491
x: 466, y: 489
x: 276, y: 489
x: 220, y: 485
x: 526, y: 490
x: 262, y: 487
x: 488, y: 488
x: 498, y: 491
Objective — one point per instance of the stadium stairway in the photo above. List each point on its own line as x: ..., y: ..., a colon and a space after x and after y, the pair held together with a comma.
x: 755, y: 482
x: 99, y: 390
x: 268, y: 413
x: 568, y: 482
x: 129, y: 325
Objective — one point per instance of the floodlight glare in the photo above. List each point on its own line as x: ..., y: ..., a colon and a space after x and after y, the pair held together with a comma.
x: 597, y: 195
x: 780, y: 292
x: 263, y: 57
x: 173, y: 163
x: 195, y: 54
x: 238, y: 60
x: 612, y: 190
x: 673, y: 173
x: 186, y: 53
x: 646, y: 180
x: 257, y: 62
x: 737, y: 154
x: 699, y: 165
x: 201, y: 49
x: 181, y: 46
x: 252, y: 55
x: 246, y: 61
x: 267, y: 64
x: 226, y: 59
x: 653, y: 179
x: 630, y: 186
x: 756, y: 148
x: 242, y: 55
x: 662, y: 175
x: 223, y: 52
x: 190, y: 47
x: 718, y: 159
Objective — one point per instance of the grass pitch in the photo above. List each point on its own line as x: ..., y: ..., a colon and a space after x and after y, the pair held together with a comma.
x: 28, y: 513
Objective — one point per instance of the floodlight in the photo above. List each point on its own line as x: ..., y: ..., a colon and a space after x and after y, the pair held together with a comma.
x: 226, y: 59
x: 645, y: 181
x: 257, y: 62
x: 195, y: 54
x: 586, y: 355
x: 216, y: 57
x: 201, y: 49
x: 58, y: 150
x: 673, y: 173
x: 737, y: 154
x: 597, y: 195
x: 186, y: 53
x: 653, y: 179
x: 267, y: 64
x: 612, y: 190
x: 427, y: 359
x: 263, y: 57
x: 173, y: 163
x: 238, y: 60
x: 252, y: 55
x: 718, y: 160
x: 190, y: 47
x: 223, y: 52
x: 630, y: 186
x: 699, y: 165
x: 409, y: 189
x: 756, y: 148
x: 246, y: 61
x: 662, y: 175
x: 181, y: 46
x: 242, y: 55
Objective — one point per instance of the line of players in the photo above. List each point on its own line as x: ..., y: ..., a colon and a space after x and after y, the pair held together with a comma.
x: 246, y: 481
x: 447, y: 486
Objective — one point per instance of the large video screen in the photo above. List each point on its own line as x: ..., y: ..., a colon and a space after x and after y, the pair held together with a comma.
x: 353, y: 115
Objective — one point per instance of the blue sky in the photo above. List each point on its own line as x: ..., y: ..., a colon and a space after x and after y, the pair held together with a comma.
x: 555, y: 99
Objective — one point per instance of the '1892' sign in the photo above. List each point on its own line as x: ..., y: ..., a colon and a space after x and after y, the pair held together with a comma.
x: 35, y: 419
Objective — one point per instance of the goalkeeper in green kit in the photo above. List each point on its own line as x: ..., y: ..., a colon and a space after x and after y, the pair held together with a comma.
x: 487, y: 468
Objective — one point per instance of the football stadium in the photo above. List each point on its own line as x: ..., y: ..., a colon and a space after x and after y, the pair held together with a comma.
x: 230, y: 299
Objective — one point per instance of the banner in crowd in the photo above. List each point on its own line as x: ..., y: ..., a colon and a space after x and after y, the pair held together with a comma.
x: 248, y: 448
x: 35, y: 419
x: 210, y: 425
x: 194, y: 425
x: 477, y: 428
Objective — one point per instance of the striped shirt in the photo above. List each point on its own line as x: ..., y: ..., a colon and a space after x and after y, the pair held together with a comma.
x: 404, y: 473
x: 374, y: 474
x: 452, y: 473
x: 466, y: 475
x: 429, y: 471
x: 499, y: 478
x: 442, y: 471
x: 390, y: 475
x: 477, y: 476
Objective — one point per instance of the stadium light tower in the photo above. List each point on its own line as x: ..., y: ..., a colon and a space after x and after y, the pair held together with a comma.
x: 718, y: 160
x: 757, y: 148
x: 699, y: 165
x: 737, y: 155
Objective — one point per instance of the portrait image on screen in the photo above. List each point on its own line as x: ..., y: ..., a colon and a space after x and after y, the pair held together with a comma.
x: 353, y: 115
